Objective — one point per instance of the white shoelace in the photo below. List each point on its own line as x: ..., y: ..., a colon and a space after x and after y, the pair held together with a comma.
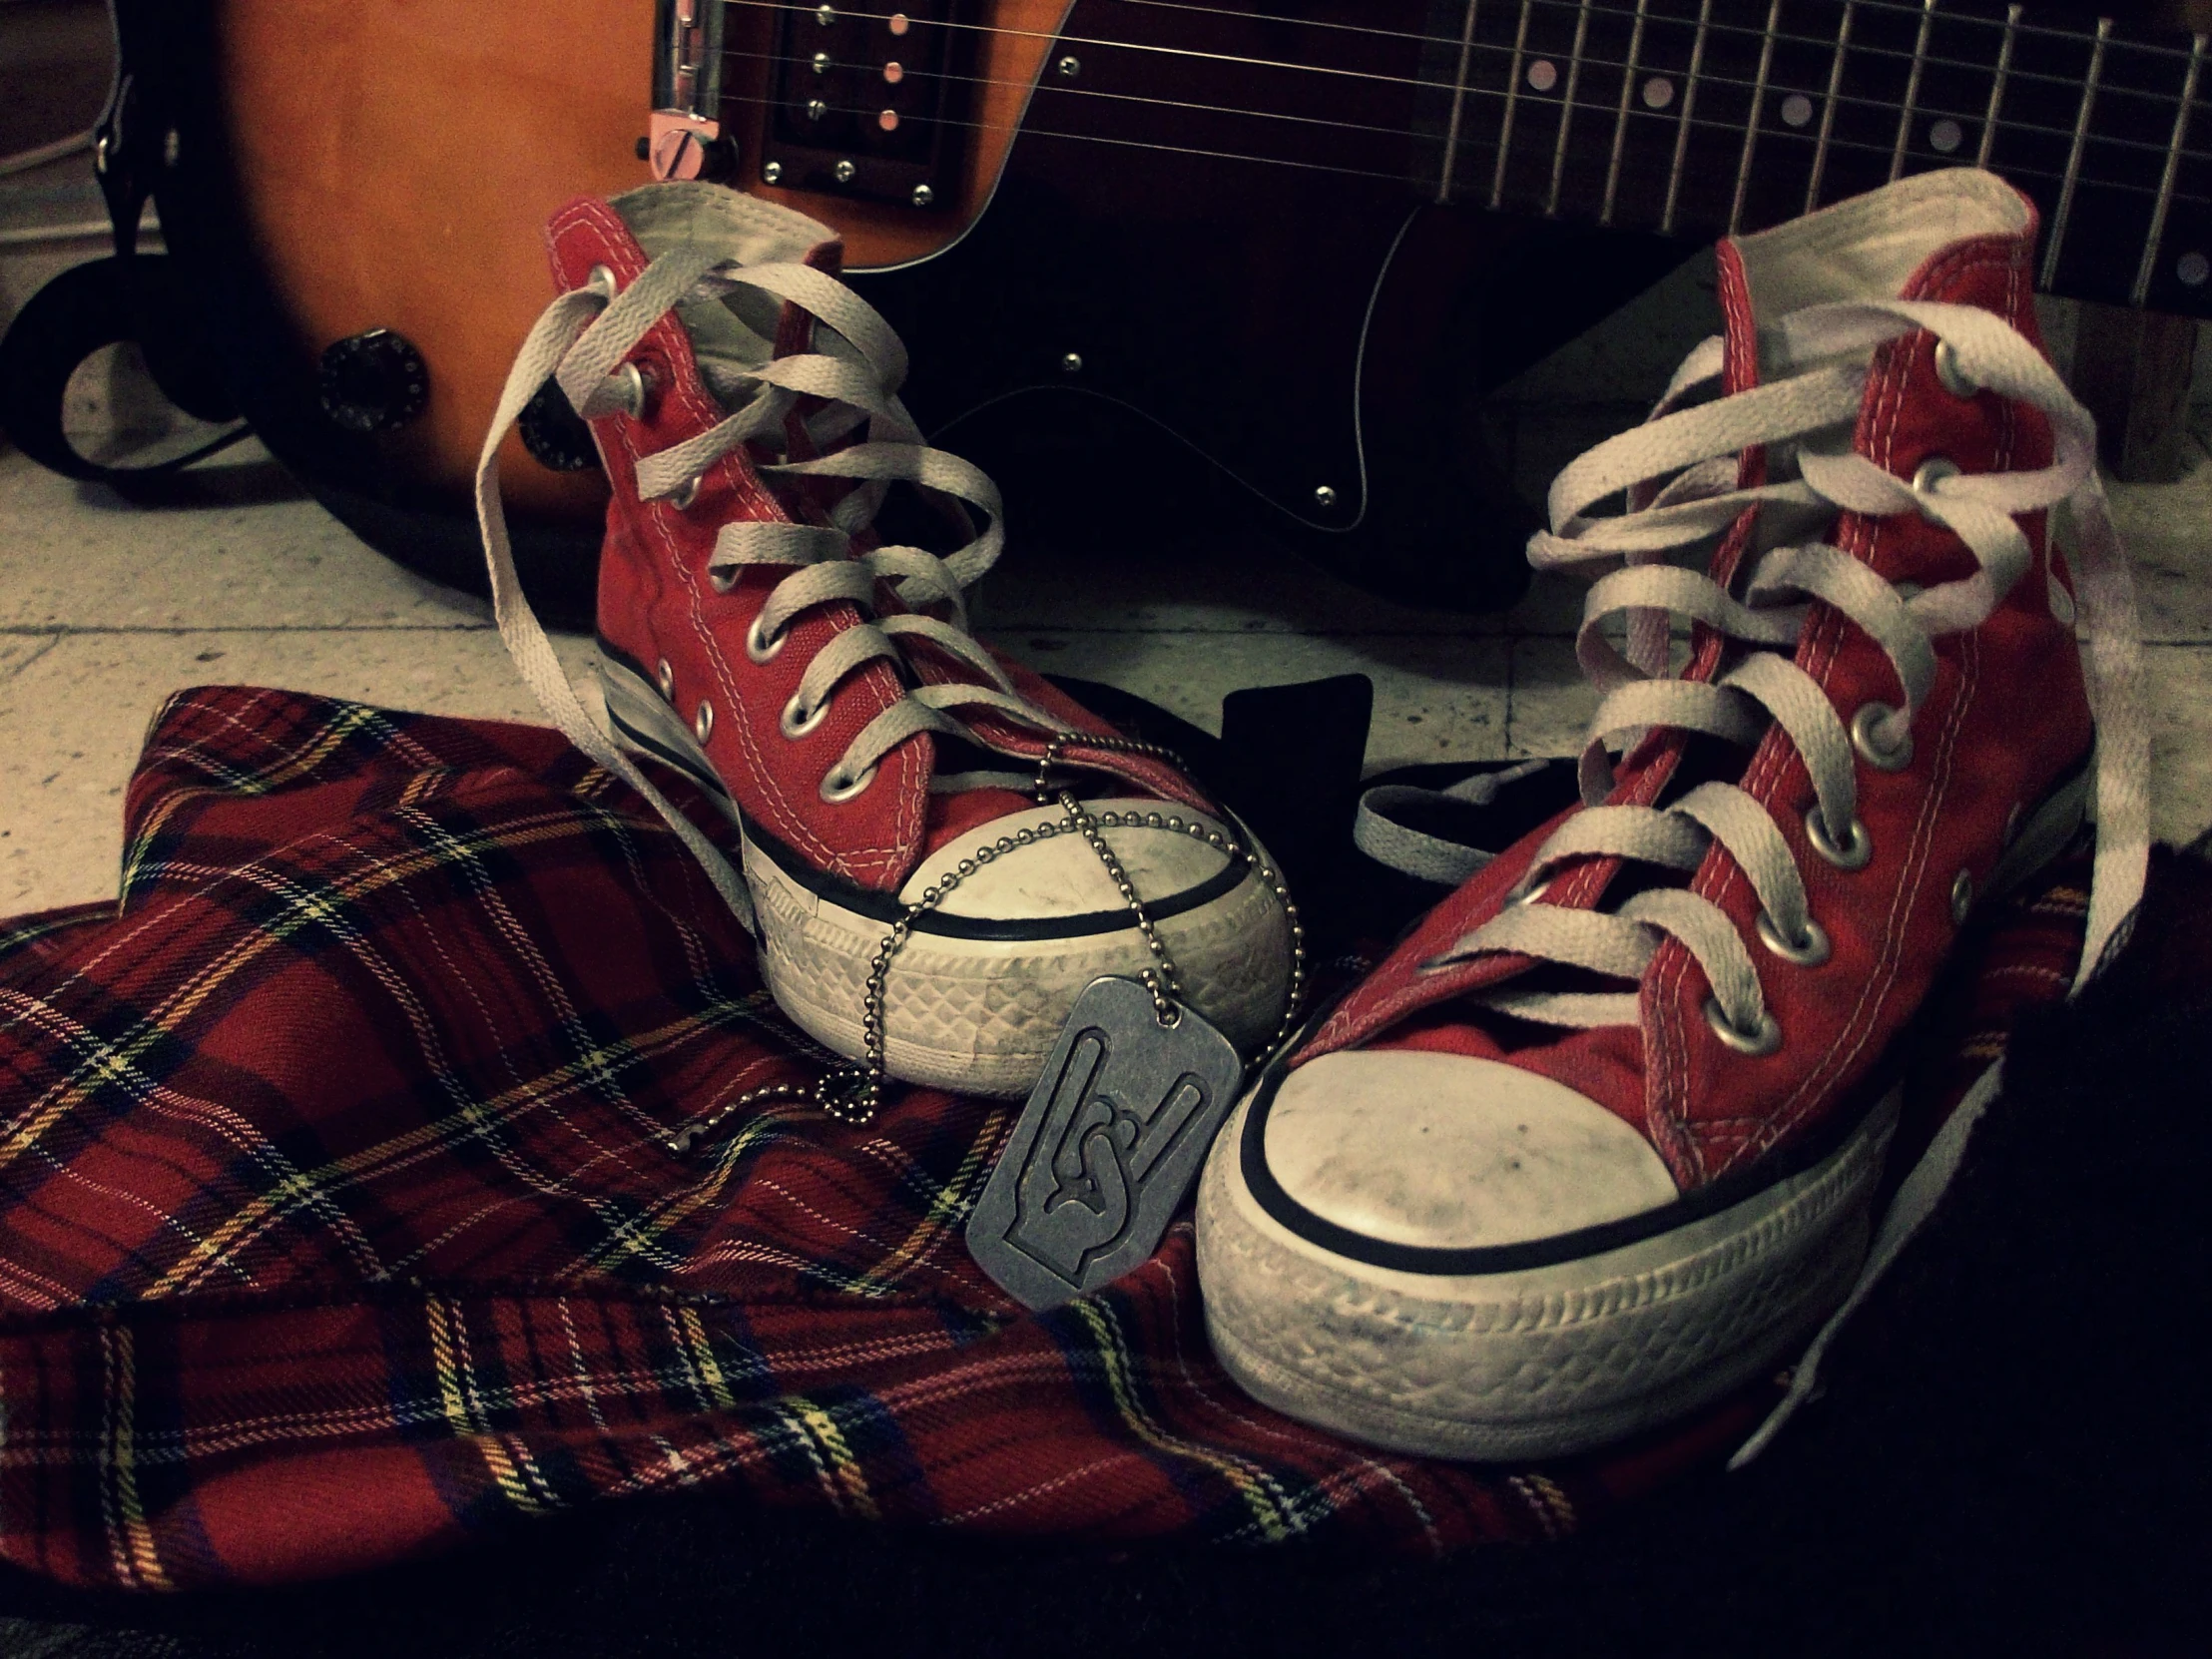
x: 1699, y: 446
x: 582, y: 339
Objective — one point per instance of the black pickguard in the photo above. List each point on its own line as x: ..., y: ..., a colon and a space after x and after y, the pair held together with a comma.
x: 1275, y: 293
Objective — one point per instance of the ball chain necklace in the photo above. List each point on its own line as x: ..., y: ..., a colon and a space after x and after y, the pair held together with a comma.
x: 852, y: 1094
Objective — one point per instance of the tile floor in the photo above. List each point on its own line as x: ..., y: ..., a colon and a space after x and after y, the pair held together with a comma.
x: 106, y: 608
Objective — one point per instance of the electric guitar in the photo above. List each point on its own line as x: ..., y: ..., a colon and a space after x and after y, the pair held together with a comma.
x: 1298, y: 239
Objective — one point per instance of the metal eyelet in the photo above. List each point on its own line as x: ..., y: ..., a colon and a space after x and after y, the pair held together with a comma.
x: 602, y: 281
x: 1528, y: 895
x: 684, y: 495
x: 665, y: 678
x: 1807, y: 952
x: 1855, y: 853
x: 1931, y: 472
x: 2012, y: 823
x: 629, y: 383
x: 795, y: 724
x: 1962, y: 898
x: 703, y: 722
x: 758, y: 647
x: 1863, y: 738
x: 1951, y: 375
x: 837, y: 786
x: 722, y: 581
x: 1764, y: 1040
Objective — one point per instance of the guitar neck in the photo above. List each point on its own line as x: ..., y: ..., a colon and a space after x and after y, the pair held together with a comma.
x: 1696, y: 117
x: 1691, y: 117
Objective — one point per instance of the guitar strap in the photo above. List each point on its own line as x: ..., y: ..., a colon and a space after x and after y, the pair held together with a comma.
x: 130, y: 296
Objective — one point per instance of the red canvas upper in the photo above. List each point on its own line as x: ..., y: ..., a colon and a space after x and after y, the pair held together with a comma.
x: 2006, y: 720
x: 656, y: 603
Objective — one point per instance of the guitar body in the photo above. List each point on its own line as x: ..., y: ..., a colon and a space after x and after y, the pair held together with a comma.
x: 1311, y: 330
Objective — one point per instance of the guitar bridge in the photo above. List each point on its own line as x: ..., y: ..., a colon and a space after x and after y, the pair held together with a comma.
x: 871, y: 106
x: 684, y: 138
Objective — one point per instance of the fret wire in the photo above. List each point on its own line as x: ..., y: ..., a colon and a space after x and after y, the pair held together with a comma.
x: 1874, y: 50
x: 1865, y: 50
x: 1912, y: 90
x: 1096, y: 93
x: 1996, y: 87
x: 1718, y: 27
x: 2141, y: 292
x: 2052, y: 30
x: 1910, y: 7
x: 1621, y: 116
x: 1512, y: 103
x: 1751, y: 127
x: 1715, y: 127
x: 1458, y: 103
x: 1827, y: 109
x: 1935, y: 61
x: 1566, y: 109
x: 2074, y: 158
x: 1682, y: 131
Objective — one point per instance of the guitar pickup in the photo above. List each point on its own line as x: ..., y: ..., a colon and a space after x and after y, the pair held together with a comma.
x: 870, y: 105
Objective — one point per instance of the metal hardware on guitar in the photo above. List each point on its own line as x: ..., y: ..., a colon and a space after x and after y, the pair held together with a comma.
x: 684, y: 138
x: 869, y: 105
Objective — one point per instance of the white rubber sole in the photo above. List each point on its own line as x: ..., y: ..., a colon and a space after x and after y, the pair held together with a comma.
x: 1540, y: 1362
x: 980, y: 1014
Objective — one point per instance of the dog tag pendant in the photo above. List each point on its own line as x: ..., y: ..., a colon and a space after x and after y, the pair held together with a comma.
x: 1107, y: 1148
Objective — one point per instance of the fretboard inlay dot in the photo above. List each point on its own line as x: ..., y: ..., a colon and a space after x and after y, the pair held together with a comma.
x: 1796, y: 110
x: 1945, y: 136
x: 1543, y: 74
x: 1658, y: 93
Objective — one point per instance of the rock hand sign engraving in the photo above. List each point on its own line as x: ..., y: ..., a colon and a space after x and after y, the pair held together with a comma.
x: 1106, y: 1149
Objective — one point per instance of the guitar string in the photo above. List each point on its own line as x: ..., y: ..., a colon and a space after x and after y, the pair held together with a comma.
x: 1688, y: 23
x: 2086, y: 40
x: 1030, y: 128
x: 1705, y: 80
x: 1903, y: 12
x: 1969, y: 119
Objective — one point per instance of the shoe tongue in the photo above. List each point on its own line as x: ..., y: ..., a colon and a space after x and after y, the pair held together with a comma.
x: 746, y: 327
x: 1869, y: 247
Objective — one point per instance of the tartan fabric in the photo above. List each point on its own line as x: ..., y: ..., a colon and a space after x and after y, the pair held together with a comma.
x: 340, y: 1218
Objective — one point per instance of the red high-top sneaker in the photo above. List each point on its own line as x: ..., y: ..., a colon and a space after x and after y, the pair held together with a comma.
x: 940, y: 851
x: 1600, y: 1140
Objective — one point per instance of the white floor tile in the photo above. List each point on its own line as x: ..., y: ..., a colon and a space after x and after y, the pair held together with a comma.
x: 106, y: 608
x: 1551, y: 702
x: 79, y: 556
x: 2180, y: 688
x: 2168, y: 530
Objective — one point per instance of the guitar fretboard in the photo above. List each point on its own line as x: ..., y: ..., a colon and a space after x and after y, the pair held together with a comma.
x: 1695, y: 117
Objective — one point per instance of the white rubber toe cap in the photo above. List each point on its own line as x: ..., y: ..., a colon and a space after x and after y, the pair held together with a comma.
x: 1061, y: 877
x: 1444, y: 1152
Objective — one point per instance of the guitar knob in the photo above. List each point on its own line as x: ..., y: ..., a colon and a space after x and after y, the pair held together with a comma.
x: 554, y: 433
x: 372, y: 381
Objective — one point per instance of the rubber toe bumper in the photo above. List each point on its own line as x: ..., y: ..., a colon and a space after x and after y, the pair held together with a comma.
x: 1461, y: 1259
x: 976, y: 995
